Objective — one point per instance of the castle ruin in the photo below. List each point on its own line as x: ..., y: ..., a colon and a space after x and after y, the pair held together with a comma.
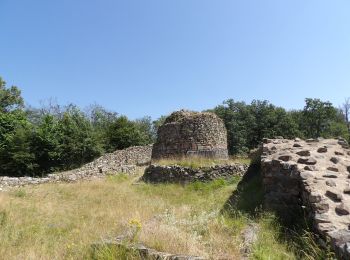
x: 186, y: 133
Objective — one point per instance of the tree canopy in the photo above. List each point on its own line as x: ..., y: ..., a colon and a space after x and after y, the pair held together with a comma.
x: 37, y: 141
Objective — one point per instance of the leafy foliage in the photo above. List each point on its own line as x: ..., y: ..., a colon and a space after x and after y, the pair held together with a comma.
x: 36, y: 141
x: 123, y: 133
x: 318, y: 117
x: 10, y: 98
x: 15, y: 155
x: 247, y: 125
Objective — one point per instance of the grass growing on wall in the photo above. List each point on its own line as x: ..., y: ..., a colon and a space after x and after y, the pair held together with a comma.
x: 196, y: 162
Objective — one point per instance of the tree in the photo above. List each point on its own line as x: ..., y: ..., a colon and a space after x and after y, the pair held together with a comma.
x: 247, y: 125
x: 123, y: 133
x: 77, y: 143
x: 346, y: 112
x: 270, y: 121
x: 10, y: 98
x: 237, y: 118
x: 157, y: 123
x: 146, y: 127
x: 45, y: 145
x: 16, y: 158
x: 318, y: 117
x: 101, y: 120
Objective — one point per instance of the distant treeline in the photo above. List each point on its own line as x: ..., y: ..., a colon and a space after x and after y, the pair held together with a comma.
x: 248, y: 124
x: 36, y: 141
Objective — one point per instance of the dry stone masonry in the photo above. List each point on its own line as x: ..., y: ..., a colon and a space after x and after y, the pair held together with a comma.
x: 186, y: 133
x: 183, y: 175
x: 120, y: 161
x: 314, y: 174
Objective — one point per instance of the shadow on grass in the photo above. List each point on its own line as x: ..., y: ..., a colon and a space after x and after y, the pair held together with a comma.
x: 290, y: 227
x: 248, y: 196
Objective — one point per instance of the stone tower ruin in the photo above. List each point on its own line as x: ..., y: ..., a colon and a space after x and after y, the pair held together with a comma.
x: 186, y: 133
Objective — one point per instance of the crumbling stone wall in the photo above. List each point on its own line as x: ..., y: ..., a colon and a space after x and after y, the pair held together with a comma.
x: 183, y: 175
x: 314, y: 174
x: 187, y: 133
x: 120, y: 161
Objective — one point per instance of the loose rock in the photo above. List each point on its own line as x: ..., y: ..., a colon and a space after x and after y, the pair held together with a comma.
x: 335, y: 160
x: 322, y: 150
x: 308, y: 161
x: 342, y: 209
x: 311, y: 140
x: 329, y: 175
x: 310, y: 168
x: 297, y: 145
x: 285, y: 158
x: 333, y: 169
x: 347, y: 190
x: 333, y: 195
x: 303, y: 153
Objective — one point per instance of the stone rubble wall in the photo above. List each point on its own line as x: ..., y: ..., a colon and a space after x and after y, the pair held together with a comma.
x: 120, y: 161
x: 313, y: 174
x: 179, y: 174
x: 187, y: 133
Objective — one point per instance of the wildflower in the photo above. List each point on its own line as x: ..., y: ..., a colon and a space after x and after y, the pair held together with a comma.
x: 135, y: 223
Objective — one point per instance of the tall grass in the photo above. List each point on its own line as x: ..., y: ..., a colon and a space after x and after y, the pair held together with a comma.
x: 62, y: 221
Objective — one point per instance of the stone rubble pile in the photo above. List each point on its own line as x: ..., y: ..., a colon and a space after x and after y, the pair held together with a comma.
x: 314, y: 174
x: 120, y: 161
x: 187, y: 133
x: 180, y: 174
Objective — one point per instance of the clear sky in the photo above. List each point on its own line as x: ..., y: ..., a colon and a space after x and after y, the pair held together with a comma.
x: 151, y: 57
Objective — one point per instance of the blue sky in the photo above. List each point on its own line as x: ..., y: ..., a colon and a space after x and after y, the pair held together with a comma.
x: 156, y: 56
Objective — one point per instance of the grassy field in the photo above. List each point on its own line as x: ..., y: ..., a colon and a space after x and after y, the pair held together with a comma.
x: 61, y: 221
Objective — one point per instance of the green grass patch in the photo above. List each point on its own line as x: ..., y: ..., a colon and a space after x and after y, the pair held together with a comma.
x: 118, y: 177
x: 212, y: 185
x: 20, y: 193
x: 113, y: 253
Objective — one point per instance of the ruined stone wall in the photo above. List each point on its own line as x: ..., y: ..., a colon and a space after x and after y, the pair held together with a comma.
x: 315, y: 175
x: 186, y: 133
x: 183, y: 175
x: 120, y: 161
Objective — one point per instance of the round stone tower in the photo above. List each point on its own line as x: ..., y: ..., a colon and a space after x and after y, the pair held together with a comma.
x: 186, y: 133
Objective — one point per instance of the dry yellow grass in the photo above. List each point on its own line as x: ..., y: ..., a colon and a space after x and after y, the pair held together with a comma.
x: 61, y: 221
